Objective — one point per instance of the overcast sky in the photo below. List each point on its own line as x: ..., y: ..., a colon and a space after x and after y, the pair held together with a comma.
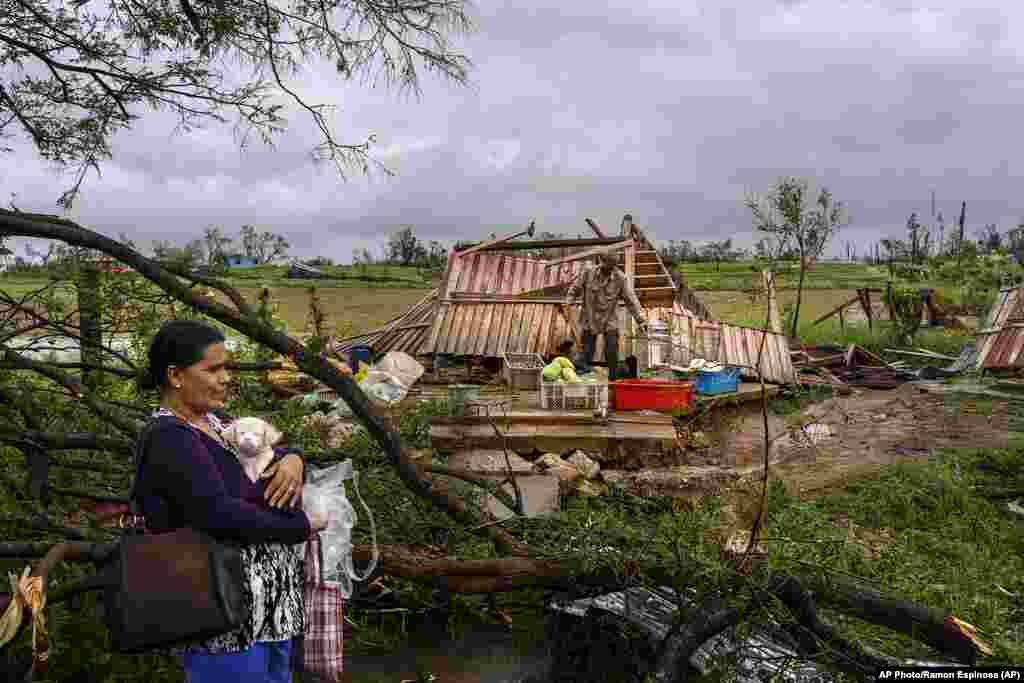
x: 667, y: 109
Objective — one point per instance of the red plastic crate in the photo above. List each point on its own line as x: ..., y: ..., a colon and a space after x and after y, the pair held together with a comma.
x: 652, y: 394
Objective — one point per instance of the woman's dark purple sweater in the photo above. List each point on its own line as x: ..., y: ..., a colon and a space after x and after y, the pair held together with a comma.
x: 188, y: 479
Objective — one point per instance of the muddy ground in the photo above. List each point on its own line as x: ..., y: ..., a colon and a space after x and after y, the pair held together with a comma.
x: 825, y: 444
x: 875, y: 427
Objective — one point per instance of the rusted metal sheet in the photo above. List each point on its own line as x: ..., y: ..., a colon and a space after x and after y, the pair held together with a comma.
x: 1001, y: 339
x: 727, y: 344
x: 408, y: 332
x: 1004, y: 348
x: 1008, y: 307
x: 493, y: 329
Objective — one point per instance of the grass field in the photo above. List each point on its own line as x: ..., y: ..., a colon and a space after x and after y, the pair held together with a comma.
x: 742, y: 274
x: 362, y: 298
x: 351, y: 309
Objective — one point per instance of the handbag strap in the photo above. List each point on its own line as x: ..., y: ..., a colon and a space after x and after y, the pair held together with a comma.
x: 137, y: 520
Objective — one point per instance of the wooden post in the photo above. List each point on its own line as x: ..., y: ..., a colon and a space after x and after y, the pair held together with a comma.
x: 627, y: 346
x: 888, y: 303
x: 960, y: 241
x: 865, y: 303
x: 89, y: 322
x: 774, y: 319
x: 842, y: 319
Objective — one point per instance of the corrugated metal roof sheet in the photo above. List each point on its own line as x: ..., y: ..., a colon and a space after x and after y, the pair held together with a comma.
x: 1003, y: 349
x: 1008, y: 307
x: 727, y: 344
x: 493, y: 329
x: 407, y: 332
x: 495, y: 273
x: 1001, y: 339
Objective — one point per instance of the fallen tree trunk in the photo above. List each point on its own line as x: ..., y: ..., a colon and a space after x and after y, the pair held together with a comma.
x: 925, y: 624
x: 430, y: 565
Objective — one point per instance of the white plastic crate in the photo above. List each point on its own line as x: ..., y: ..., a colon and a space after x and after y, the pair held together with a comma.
x: 568, y: 396
x: 522, y: 370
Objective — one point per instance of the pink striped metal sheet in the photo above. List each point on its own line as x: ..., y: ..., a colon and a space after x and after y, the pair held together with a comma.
x: 487, y: 273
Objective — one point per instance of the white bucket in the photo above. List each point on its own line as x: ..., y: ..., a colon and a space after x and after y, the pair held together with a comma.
x: 658, y: 344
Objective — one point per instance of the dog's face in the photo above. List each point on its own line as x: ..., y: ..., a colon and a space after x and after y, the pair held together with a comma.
x: 251, y: 436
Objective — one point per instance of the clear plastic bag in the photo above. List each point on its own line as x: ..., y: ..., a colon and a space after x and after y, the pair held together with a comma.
x: 324, y: 496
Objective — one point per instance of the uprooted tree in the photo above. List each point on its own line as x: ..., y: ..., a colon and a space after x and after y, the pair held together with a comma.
x: 512, y: 564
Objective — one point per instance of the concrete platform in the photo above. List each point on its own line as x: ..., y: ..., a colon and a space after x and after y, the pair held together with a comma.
x: 527, y: 428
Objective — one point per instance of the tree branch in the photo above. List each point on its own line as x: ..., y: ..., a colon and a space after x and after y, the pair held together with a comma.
x: 128, y: 427
x: 421, y: 483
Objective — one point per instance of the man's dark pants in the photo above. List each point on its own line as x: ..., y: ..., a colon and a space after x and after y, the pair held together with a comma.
x: 611, y: 352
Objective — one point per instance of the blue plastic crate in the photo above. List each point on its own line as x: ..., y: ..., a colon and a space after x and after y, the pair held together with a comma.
x: 724, y: 382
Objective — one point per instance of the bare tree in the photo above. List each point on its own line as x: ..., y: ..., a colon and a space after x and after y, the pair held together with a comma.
x: 897, y: 250
x: 78, y: 72
x: 915, y: 238
x: 786, y: 215
x: 162, y: 249
x: 990, y: 240
x: 43, y: 256
x: 1015, y: 243
x: 270, y: 246
x: 262, y: 247
x: 717, y: 252
x: 404, y: 247
x: 216, y: 243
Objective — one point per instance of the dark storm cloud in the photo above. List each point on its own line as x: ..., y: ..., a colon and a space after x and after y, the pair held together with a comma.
x: 671, y: 111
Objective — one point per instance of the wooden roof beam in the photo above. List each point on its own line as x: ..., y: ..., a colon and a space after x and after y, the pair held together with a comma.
x: 490, y: 244
x: 596, y: 229
x: 541, y: 244
x: 590, y: 253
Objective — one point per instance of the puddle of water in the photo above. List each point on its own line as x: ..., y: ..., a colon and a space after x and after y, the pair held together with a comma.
x: 477, y: 652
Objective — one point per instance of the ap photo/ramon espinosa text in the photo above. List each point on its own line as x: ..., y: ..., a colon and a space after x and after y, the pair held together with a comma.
x: 1005, y: 673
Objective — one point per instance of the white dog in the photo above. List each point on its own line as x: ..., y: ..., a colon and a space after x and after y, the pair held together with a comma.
x: 254, y: 441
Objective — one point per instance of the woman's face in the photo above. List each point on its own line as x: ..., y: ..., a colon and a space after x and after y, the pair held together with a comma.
x: 203, y: 385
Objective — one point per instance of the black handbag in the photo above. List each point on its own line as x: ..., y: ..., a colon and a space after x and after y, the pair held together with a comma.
x: 169, y: 588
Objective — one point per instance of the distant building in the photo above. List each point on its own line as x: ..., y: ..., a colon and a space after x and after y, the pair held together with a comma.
x: 301, y: 271
x: 239, y: 261
x: 6, y: 259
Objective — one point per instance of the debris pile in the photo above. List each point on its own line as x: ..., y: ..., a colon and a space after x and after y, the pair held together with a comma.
x: 850, y: 367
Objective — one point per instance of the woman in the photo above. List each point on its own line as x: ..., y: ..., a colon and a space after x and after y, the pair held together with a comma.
x: 189, y: 477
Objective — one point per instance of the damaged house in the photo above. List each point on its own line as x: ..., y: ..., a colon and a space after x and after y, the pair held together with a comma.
x: 503, y: 296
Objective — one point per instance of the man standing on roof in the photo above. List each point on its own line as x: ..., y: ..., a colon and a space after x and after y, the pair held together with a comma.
x: 602, y: 288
